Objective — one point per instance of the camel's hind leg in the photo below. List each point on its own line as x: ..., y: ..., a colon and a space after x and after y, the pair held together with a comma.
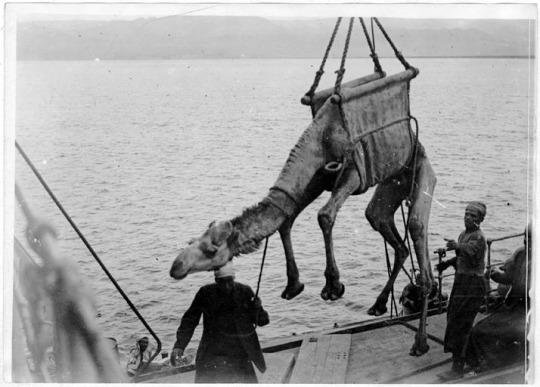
x: 380, y: 214
x: 418, y: 227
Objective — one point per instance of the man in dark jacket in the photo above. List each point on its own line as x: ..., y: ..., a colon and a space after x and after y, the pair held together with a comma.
x: 469, y: 285
x: 500, y: 338
x: 229, y: 343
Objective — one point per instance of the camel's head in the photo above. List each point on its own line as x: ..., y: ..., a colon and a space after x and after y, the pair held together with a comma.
x: 208, y: 252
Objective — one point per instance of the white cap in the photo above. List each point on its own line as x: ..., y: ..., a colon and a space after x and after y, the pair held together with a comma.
x: 226, y: 270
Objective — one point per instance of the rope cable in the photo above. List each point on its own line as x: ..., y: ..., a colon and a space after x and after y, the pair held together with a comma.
x: 320, y: 72
x: 373, y: 54
x: 341, y: 71
x: 261, y: 270
x: 372, y: 33
x: 396, y: 51
x: 405, y: 225
x: 92, y: 252
x: 389, y: 270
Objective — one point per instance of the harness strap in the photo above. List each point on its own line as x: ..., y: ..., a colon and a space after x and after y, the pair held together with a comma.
x: 369, y: 132
x: 287, y: 195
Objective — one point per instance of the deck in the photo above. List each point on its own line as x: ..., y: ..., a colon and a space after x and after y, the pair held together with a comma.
x: 370, y: 352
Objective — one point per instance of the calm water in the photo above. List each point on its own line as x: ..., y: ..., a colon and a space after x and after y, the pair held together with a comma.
x: 145, y: 154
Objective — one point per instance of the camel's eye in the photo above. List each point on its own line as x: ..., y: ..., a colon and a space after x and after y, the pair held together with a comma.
x: 208, y: 249
x: 191, y: 241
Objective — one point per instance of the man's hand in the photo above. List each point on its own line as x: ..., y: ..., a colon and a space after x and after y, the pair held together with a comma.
x: 440, y: 267
x: 451, y: 244
x: 495, y: 273
x: 256, y: 303
x: 176, y: 355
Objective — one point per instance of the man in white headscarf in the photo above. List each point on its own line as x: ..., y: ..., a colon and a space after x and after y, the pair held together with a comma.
x: 229, y: 345
x: 469, y: 286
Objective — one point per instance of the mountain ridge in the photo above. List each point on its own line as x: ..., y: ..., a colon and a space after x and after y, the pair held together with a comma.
x: 191, y: 37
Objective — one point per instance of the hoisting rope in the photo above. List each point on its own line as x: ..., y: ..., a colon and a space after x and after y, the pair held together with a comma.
x: 336, y: 99
x: 341, y: 71
x: 373, y: 54
x: 389, y: 270
x: 309, y: 94
x: 396, y: 51
x: 406, y: 226
x: 372, y: 33
x: 408, y: 200
x: 94, y: 254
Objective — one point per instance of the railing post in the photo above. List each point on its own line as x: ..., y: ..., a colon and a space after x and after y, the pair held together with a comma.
x: 441, y: 253
x: 488, y: 274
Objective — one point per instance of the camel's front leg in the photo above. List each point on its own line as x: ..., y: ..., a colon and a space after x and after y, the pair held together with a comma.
x: 418, y: 227
x: 326, y: 217
x: 294, y: 286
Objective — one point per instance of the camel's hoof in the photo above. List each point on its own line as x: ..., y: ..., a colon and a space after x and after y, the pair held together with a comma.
x: 377, y: 310
x: 331, y: 293
x: 418, y: 349
x: 292, y: 291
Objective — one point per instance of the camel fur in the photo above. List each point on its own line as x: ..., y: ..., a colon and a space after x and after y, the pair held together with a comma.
x: 371, y: 140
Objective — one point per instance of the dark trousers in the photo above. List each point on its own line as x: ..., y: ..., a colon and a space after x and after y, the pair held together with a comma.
x: 465, y: 300
x: 499, y: 339
x: 225, y: 370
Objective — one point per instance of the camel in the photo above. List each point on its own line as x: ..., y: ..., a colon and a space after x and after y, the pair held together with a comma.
x: 363, y: 140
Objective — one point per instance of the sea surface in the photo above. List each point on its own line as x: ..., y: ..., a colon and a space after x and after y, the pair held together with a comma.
x: 145, y: 154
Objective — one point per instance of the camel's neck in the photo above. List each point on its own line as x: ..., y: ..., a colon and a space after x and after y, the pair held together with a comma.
x: 305, y: 159
x: 256, y: 223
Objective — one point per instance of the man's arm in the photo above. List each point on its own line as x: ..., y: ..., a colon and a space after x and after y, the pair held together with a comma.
x: 470, y: 248
x: 190, y: 320
x: 445, y: 264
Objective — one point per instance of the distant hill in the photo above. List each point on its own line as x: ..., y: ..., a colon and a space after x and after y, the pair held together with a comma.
x: 177, y: 37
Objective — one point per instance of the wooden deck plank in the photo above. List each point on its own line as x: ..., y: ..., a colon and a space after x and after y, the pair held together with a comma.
x: 303, y: 368
x: 322, y: 359
x: 278, y: 368
x: 321, y: 354
x: 337, y: 360
x: 382, y: 355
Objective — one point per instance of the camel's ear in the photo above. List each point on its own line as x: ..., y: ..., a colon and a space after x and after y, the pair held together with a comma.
x: 220, y: 232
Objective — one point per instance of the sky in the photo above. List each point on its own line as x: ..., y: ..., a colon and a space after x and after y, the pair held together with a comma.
x: 119, y: 10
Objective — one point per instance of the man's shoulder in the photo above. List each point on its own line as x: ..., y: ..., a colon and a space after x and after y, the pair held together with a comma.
x: 243, y: 289
x: 480, y: 234
x: 477, y: 234
x: 207, y: 288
